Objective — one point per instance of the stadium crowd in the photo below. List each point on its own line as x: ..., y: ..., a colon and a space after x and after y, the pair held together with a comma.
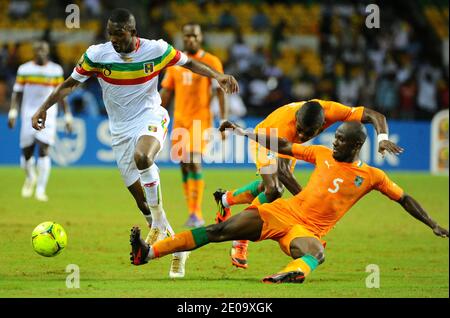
x: 398, y: 69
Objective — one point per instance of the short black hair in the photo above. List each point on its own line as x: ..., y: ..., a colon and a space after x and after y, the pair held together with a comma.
x: 354, y: 131
x: 310, y: 115
x: 122, y: 16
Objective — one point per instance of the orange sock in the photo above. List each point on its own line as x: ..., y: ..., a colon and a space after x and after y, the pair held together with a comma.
x: 184, y: 241
x: 190, y: 191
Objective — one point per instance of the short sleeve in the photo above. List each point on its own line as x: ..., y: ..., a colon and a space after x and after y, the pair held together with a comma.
x: 170, y: 56
x: 335, y: 112
x: 85, y: 67
x: 20, y: 80
x: 168, y: 81
x: 307, y: 153
x: 385, y: 185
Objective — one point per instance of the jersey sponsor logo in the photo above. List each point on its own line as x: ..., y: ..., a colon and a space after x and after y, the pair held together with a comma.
x: 358, y: 181
x: 148, y: 67
x: 152, y: 128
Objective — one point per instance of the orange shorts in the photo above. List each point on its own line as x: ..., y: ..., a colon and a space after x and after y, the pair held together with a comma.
x: 189, y: 137
x: 282, y: 225
x: 266, y: 160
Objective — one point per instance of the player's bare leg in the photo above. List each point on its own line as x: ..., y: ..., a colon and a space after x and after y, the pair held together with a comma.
x: 44, y: 165
x: 27, y: 162
x: 146, y: 150
x: 247, y: 225
x: 308, y: 253
x: 138, y: 194
x: 272, y: 191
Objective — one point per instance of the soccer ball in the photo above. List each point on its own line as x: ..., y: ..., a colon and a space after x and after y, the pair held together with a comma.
x: 49, y: 239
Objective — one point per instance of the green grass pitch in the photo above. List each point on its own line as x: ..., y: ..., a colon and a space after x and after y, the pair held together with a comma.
x: 97, y: 212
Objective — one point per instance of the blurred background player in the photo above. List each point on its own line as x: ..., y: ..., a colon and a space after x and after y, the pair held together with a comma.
x: 127, y: 68
x: 297, y: 122
x: 35, y: 81
x: 298, y: 224
x: 193, y: 95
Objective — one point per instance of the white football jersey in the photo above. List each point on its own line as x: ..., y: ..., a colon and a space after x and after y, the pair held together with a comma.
x: 129, y: 81
x: 37, y: 82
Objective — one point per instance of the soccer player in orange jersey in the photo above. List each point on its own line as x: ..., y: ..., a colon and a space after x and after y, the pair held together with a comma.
x: 299, y: 223
x: 192, y: 117
x: 297, y: 122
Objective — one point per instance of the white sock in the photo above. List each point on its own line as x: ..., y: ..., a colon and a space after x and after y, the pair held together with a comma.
x: 224, y: 200
x: 43, y: 166
x: 29, y: 167
x: 151, y: 254
x: 148, y: 218
x: 151, y: 184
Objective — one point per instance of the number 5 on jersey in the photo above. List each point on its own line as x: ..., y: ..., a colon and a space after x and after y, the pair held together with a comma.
x: 336, y: 185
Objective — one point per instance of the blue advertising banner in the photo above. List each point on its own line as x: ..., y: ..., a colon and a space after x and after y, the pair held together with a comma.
x: 89, y: 145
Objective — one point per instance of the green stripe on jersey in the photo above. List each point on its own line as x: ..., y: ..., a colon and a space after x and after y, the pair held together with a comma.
x: 137, y: 66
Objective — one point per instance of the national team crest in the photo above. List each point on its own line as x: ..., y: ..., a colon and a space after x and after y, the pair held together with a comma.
x: 148, y: 67
x: 358, y: 181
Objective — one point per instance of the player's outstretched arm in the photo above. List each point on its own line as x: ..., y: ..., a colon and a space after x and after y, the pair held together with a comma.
x: 61, y: 91
x: 286, y: 176
x: 279, y: 145
x: 16, y: 100
x: 415, y: 209
x: 378, y: 120
x: 227, y: 82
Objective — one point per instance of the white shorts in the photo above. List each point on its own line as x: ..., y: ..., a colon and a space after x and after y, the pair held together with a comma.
x: 28, y: 135
x: 156, y: 126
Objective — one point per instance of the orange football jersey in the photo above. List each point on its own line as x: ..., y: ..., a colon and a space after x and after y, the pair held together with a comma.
x: 192, y: 91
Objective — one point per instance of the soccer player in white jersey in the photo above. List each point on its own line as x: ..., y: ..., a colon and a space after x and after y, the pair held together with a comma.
x: 127, y: 69
x: 35, y: 81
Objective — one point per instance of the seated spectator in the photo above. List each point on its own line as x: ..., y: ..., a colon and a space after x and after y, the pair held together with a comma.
x: 227, y: 20
x: 260, y: 21
x: 386, y: 98
x: 19, y: 9
x: 348, y: 87
x: 427, y: 78
x: 407, y: 98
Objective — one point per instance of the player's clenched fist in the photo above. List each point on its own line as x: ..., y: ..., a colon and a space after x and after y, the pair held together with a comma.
x: 38, y: 119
